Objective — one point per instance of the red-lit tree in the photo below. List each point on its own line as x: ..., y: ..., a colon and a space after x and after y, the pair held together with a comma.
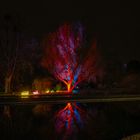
x: 68, y: 58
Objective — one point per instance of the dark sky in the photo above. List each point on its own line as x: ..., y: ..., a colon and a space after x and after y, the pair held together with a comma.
x: 115, y: 24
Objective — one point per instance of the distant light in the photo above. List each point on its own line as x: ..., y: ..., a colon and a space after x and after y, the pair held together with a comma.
x: 24, y: 94
x: 47, y: 91
x: 77, y: 87
x: 36, y: 92
x: 75, y: 91
x: 61, y: 91
x: 52, y: 91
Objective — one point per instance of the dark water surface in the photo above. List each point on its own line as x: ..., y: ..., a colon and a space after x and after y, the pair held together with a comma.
x: 73, y: 121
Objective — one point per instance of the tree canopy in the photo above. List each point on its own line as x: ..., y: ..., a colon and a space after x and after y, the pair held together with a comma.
x: 68, y: 58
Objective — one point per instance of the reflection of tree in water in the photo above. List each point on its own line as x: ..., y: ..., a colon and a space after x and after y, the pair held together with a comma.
x: 99, y: 121
x: 69, y: 121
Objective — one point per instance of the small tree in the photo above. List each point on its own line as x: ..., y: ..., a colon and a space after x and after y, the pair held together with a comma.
x: 68, y: 58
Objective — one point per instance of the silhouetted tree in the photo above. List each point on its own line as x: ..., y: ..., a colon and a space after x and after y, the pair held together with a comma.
x: 16, y: 51
x: 9, y: 45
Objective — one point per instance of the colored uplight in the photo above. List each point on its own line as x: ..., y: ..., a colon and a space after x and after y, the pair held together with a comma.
x: 75, y: 91
x: 52, y: 91
x: 47, y: 91
x: 61, y: 91
x: 36, y: 92
x: 25, y: 94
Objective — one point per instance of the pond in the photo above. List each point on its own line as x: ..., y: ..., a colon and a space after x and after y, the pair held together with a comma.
x: 71, y: 121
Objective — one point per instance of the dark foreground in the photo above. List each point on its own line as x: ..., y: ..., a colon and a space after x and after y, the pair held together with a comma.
x: 95, y: 121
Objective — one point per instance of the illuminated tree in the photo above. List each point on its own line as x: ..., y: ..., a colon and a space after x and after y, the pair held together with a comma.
x: 68, y: 58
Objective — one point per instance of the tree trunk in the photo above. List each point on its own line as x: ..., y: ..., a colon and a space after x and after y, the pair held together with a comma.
x: 69, y: 87
x: 8, y: 84
x: 6, y: 110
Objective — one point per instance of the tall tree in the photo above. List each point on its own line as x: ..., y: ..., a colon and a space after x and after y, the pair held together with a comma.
x: 16, y: 51
x: 68, y: 58
x: 9, y: 44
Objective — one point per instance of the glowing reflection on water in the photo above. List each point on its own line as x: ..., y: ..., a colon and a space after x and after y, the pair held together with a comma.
x: 69, y: 119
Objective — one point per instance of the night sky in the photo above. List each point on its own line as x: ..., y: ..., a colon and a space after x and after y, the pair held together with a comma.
x: 115, y: 24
